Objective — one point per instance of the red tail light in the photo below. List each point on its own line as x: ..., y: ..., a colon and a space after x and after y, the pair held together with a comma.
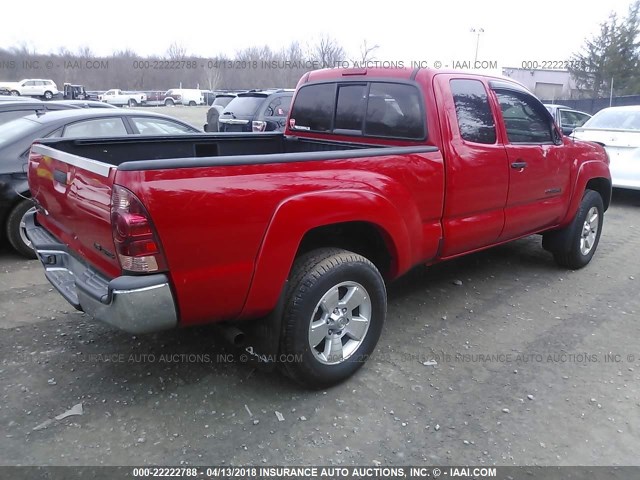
x: 135, y: 239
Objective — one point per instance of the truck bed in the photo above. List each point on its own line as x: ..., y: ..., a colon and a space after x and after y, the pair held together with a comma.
x: 145, y: 153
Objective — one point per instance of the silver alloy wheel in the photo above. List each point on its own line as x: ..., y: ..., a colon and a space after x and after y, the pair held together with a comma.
x: 340, y: 323
x: 23, y: 228
x: 589, y: 231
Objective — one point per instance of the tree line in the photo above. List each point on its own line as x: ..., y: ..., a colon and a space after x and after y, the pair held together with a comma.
x: 254, y: 67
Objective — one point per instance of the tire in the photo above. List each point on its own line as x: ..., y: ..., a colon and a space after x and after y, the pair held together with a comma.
x: 577, y: 243
x: 16, y: 233
x: 48, y: 95
x: 15, y: 93
x: 319, y: 283
x: 132, y: 103
x: 169, y: 102
x: 192, y: 103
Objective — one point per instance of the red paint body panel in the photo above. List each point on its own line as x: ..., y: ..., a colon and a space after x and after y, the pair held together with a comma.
x: 230, y: 233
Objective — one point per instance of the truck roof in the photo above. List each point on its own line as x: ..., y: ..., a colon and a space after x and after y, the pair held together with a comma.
x: 398, y: 73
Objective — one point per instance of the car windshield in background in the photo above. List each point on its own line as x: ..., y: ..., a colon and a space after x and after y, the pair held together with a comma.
x: 244, y: 106
x: 16, y: 129
x: 615, y: 119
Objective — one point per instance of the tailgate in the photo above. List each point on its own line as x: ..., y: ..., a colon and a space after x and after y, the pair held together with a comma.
x: 74, y: 194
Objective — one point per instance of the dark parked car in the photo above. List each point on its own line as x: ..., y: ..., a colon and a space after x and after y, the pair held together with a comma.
x: 256, y: 111
x: 12, y: 110
x: 17, y: 136
x: 567, y: 118
x: 217, y: 107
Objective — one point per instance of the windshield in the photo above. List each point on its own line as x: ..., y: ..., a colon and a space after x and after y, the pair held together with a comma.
x: 243, y: 106
x: 615, y: 119
x: 16, y: 129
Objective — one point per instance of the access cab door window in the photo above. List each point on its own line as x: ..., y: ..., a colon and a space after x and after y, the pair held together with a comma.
x: 539, y: 168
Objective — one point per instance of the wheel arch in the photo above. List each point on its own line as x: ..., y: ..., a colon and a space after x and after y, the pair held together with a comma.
x: 359, y: 221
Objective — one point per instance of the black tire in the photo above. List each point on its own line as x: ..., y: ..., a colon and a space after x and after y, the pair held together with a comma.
x: 132, y: 103
x: 574, y: 246
x: 15, y: 231
x: 192, y: 103
x: 15, y: 93
x: 169, y: 102
x: 48, y: 95
x: 314, y: 276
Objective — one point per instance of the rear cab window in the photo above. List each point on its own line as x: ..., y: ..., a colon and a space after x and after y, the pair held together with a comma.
x: 364, y: 108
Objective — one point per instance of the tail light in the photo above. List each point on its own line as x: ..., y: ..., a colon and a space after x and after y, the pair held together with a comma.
x: 134, y: 236
x: 258, y: 126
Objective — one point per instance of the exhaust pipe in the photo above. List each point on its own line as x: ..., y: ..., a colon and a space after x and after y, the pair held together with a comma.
x: 231, y: 334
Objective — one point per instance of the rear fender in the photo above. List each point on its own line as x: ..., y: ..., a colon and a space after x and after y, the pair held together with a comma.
x: 300, y: 214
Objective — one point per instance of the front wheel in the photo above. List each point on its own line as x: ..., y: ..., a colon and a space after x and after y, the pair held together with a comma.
x: 48, y: 95
x: 580, y: 239
x: 192, y: 103
x: 334, y: 313
x: 169, y: 102
x: 16, y: 229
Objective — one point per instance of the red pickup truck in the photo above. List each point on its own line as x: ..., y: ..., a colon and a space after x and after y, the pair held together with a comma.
x: 377, y: 171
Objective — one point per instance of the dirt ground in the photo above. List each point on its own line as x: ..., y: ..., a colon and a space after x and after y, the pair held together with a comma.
x: 535, y: 365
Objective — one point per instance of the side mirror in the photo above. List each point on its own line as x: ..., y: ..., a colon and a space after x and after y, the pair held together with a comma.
x: 567, y: 130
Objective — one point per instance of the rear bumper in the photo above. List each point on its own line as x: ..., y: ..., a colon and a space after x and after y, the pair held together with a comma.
x: 135, y: 304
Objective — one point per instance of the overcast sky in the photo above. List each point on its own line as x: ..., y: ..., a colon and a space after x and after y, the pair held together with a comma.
x: 405, y: 30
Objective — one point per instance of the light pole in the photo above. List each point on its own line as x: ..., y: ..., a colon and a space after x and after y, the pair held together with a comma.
x: 478, y: 32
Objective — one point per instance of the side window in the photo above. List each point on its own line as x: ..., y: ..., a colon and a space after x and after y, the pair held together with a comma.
x: 525, y: 119
x: 350, y: 107
x: 473, y: 111
x: 394, y: 110
x: 158, y: 126
x: 102, y: 127
x: 313, y: 108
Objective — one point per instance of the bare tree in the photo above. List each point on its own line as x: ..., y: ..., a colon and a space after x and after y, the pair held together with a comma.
x: 366, y: 51
x: 176, y: 51
x: 328, y: 52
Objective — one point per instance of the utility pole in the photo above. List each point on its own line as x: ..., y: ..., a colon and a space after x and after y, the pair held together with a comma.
x: 478, y: 32
x: 611, y: 93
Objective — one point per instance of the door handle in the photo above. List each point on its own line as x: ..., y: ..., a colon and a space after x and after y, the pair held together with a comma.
x: 519, y: 165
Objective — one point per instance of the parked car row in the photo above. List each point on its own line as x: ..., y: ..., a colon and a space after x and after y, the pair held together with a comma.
x: 22, y: 122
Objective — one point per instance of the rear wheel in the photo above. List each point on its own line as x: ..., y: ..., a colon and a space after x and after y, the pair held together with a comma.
x: 48, y: 95
x: 16, y: 229
x: 334, y: 313
x: 574, y: 246
x: 192, y: 103
x: 15, y: 93
x: 132, y: 103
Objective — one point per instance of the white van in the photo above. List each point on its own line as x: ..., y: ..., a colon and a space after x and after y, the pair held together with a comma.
x: 184, y: 96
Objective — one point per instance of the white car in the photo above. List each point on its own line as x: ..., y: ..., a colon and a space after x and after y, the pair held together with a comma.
x: 32, y: 87
x: 618, y: 130
x: 118, y: 97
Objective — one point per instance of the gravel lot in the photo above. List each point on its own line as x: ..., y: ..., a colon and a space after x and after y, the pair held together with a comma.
x: 522, y: 373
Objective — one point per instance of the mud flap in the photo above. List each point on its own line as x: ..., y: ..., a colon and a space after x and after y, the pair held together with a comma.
x: 262, y: 337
